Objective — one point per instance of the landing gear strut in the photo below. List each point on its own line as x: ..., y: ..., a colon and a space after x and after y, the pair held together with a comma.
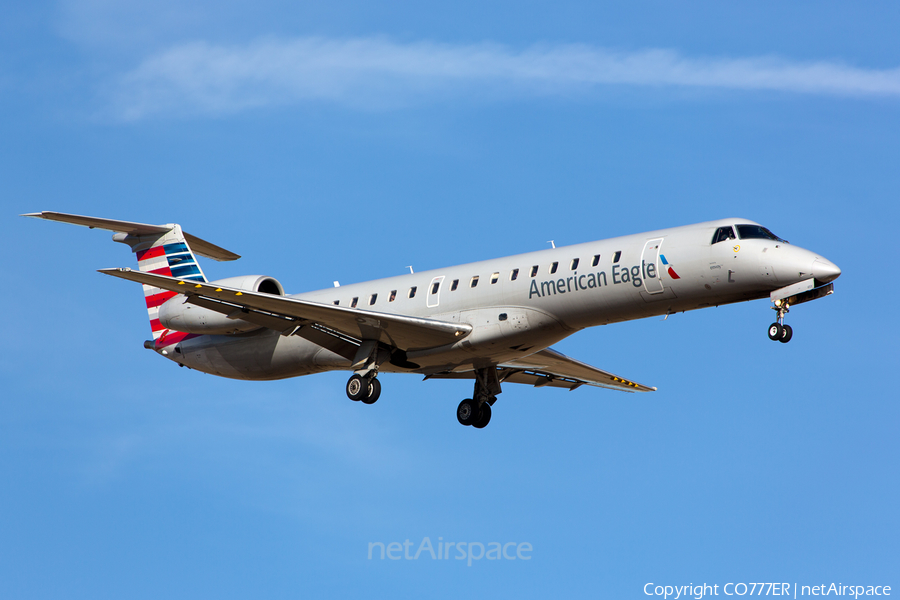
x: 778, y: 331
x: 476, y: 411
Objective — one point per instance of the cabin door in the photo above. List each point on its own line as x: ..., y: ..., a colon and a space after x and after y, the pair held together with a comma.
x: 650, y: 266
x: 434, y: 292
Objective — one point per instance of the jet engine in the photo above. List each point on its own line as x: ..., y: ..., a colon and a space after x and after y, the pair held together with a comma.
x: 179, y: 315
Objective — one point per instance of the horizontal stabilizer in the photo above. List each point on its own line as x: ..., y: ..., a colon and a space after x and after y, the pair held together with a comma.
x: 199, y: 246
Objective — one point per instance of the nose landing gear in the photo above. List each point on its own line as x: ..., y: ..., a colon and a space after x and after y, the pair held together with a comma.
x: 778, y: 331
x: 792, y: 295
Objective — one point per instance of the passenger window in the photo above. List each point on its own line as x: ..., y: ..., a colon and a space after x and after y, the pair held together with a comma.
x: 617, y: 256
x: 534, y: 270
x: 574, y: 263
x: 372, y: 299
x: 474, y: 282
x: 353, y: 303
x: 723, y: 234
x: 495, y: 278
x: 393, y: 296
x: 454, y: 285
x: 435, y: 286
x: 514, y: 275
x: 596, y: 260
x: 553, y: 267
x: 337, y: 302
x: 412, y: 292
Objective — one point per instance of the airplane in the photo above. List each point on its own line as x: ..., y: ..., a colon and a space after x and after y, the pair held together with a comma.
x: 492, y: 321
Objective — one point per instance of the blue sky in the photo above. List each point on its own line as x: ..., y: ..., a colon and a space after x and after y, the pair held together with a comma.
x: 344, y: 141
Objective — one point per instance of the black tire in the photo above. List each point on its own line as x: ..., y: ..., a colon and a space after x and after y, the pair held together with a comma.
x: 485, y: 417
x: 467, y: 412
x: 357, y: 388
x: 374, y: 391
x: 786, y: 334
x: 775, y: 331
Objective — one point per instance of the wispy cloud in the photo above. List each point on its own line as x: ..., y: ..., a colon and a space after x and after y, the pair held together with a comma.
x: 374, y: 73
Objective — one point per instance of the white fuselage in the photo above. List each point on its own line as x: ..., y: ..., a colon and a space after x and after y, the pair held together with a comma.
x: 520, y: 304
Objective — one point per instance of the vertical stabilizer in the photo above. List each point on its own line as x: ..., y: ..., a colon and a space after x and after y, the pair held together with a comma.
x: 160, y: 249
x: 162, y: 254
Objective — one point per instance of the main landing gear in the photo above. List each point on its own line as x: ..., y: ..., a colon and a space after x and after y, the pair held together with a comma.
x: 363, y: 385
x: 778, y: 331
x: 476, y: 411
x: 364, y: 388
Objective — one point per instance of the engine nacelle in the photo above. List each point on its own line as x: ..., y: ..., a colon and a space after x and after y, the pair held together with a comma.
x: 179, y: 315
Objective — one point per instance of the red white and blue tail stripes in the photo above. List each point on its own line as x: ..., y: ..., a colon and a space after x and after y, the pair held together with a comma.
x: 168, y: 255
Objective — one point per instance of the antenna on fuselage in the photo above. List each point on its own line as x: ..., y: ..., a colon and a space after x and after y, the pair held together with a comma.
x: 410, y: 269
x: 552, y: 243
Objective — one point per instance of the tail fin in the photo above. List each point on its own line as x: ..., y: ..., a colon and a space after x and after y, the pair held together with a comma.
x: 162, y: 254
x: 160, y: 249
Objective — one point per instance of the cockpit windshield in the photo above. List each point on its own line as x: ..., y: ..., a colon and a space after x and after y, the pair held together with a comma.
x: 722, y: 234
x: 758, y: 232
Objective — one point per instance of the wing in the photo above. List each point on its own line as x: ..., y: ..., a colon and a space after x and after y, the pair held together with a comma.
x: 287, y: 314
x: 551, y: 368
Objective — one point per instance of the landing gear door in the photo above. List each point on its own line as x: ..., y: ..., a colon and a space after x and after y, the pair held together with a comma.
x: 650, y: 266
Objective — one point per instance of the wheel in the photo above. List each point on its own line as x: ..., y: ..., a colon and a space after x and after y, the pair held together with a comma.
x: 357, y: 388
x: 374, y: 391
x: 775, y: 331
x: 467, y: 412
x: 786, y: 334
x: 485, y: 417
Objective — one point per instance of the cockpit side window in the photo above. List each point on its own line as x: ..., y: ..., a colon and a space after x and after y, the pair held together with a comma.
x: 723, y: 234
x: 758, y: 232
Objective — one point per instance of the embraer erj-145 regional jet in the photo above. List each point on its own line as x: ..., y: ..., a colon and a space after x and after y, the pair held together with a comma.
x: 491, y: 321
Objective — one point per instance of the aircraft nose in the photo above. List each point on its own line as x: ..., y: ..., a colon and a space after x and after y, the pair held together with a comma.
x: 825, y: 270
